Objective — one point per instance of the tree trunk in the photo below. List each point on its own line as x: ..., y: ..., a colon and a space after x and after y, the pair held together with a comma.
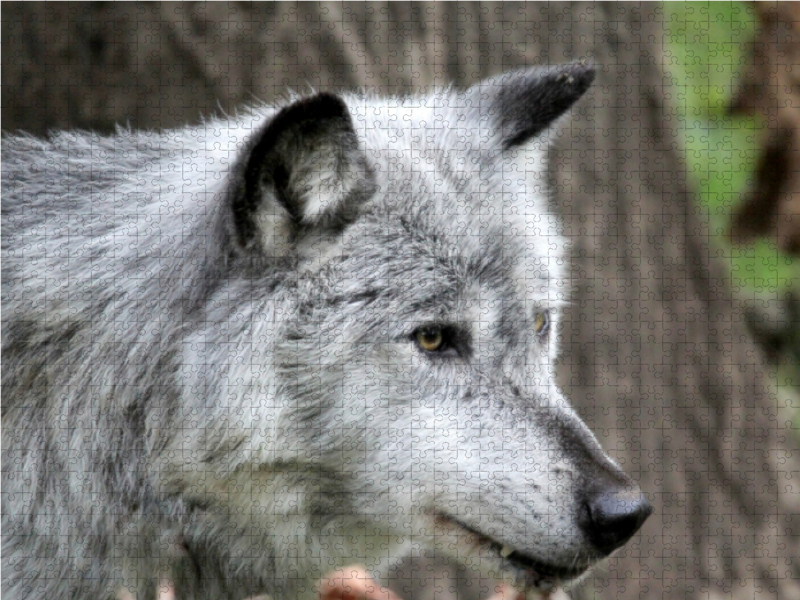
x: 657, y: 357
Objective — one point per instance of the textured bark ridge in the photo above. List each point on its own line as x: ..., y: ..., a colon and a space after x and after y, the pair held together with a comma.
x: 657, y: 357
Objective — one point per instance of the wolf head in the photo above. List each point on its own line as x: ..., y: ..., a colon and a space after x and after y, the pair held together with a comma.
x: 375, y: 373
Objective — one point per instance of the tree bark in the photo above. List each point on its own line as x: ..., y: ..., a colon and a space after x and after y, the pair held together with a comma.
x: 657, y: 357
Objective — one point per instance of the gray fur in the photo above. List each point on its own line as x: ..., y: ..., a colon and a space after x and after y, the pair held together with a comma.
x: 251, y: 410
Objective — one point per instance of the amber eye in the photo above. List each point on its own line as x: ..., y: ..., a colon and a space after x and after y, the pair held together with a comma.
x: 430, y: 339
x: 540, y: 322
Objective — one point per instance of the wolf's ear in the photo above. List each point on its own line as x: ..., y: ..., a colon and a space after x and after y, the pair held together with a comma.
x: 304, y: 168
x: 527, y: 103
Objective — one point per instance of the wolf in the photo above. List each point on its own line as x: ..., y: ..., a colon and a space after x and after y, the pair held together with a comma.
x: 320, y: 333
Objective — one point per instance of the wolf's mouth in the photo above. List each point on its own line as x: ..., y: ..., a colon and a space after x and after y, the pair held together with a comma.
x: 534, y: 572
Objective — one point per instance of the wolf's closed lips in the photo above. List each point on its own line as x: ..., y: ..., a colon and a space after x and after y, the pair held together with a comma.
x: 537, y: 572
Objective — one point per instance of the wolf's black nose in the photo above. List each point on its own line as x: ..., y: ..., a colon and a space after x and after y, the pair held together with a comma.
x: 613, y: 517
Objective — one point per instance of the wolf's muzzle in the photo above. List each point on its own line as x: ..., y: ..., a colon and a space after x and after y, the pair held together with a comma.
x: 611, y: 517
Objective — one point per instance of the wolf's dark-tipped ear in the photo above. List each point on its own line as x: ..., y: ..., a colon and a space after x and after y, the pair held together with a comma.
x: 304, y: 168
x: 527, y: 103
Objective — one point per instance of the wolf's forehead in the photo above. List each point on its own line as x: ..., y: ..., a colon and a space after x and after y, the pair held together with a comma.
x: 438, y: 170
x: 440, y: 259
x: 417, y: 125
x: 429, y: 172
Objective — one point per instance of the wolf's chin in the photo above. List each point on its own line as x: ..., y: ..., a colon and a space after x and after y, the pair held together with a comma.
x: 537, y: 579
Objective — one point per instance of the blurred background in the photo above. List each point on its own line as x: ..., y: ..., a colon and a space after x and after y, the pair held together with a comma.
x: 677, y: 182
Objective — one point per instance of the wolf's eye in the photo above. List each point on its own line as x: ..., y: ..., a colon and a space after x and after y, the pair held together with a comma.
x: 443, y: 341
x: 541, y: 322
x: 430, y: 339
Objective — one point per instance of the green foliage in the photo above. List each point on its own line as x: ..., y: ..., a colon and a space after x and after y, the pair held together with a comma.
x: 706, y: 54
